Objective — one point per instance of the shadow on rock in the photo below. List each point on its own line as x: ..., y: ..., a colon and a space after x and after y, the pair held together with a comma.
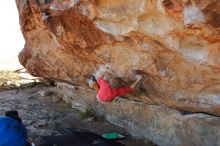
x: 77, y: 138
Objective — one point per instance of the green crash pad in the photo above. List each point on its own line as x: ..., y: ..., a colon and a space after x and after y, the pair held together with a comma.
x: 113, y: 136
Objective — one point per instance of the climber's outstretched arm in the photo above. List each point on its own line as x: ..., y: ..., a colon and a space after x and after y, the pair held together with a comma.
x: 102, y: 74
x: 103, y: 70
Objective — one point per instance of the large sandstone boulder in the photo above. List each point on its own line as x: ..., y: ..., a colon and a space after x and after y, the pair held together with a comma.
x: 176, y: 44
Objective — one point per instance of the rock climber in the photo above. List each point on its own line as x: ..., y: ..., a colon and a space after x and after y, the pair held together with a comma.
x: 12, y: 130
x: 105, y: 93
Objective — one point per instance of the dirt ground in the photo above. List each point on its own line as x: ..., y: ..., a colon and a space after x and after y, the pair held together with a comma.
x: 46, y: 116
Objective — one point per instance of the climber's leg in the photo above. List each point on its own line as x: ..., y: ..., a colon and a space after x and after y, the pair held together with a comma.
x: 124, y: 90
x: 120, y: 92
x: 133, y: 86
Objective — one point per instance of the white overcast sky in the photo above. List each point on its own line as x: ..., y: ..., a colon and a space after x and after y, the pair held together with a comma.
x: 11, y: 39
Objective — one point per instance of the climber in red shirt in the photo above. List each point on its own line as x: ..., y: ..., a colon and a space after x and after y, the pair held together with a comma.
x: 105, y: 93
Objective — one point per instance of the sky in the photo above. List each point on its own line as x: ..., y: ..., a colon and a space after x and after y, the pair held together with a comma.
x: 11, y: 38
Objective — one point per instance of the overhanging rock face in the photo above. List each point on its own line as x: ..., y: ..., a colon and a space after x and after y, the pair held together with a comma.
x: 176, y: 43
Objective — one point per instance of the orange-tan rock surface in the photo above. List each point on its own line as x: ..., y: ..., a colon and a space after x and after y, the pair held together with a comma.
x: 176, y: 44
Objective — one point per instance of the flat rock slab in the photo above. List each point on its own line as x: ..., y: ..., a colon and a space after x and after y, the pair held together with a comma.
x: 45, y: 117
x: 164, y: 126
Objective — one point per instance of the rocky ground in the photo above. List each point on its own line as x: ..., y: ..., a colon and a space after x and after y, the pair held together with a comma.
x: 50, y: 115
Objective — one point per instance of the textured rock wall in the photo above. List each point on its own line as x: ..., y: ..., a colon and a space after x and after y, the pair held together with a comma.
x: 176, y: 44
x: 164, y: 126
